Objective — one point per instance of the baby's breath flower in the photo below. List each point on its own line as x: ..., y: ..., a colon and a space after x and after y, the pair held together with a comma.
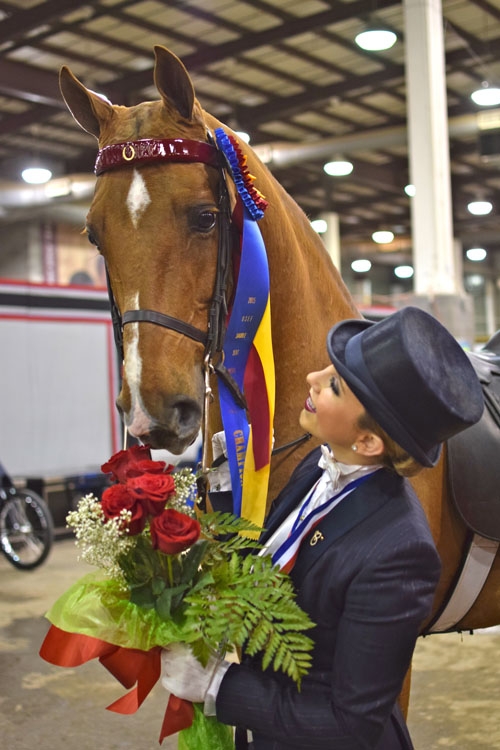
x: 185, y: 489
x: 101, y: 541
x: 104, y: 542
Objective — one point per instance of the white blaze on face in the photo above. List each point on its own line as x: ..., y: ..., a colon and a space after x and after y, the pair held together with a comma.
x: 139, y: 420
x: 138, y: 198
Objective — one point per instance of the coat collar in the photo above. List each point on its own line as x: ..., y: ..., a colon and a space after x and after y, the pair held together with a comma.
x: 301, y: 481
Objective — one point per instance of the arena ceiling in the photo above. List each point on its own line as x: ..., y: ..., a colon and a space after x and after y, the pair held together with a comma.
x: 285, y: 71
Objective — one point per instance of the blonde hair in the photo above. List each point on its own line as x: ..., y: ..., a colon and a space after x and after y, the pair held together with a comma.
x: 394, y: 457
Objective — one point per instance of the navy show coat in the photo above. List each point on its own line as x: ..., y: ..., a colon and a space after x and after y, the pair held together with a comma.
x: 368, y: 585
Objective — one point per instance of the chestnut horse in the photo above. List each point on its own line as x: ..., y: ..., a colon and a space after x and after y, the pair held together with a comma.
x: 156, y: 227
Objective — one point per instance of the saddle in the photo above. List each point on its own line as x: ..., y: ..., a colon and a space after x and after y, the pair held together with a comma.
x: 474, y: 454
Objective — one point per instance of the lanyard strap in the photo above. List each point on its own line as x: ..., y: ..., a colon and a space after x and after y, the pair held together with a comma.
x: 301, y: 527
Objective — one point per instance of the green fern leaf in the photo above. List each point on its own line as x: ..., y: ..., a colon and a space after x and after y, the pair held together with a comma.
x: 259, y: 636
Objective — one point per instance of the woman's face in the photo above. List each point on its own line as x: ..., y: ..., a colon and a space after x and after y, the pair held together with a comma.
x: 331, y: 413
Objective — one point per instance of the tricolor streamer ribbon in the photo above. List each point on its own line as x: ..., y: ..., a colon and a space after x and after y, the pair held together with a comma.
x: 287, y: 552
x: 248, y: 355
x: 128, y: 665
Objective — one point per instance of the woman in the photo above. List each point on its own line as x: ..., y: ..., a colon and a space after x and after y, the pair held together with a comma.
x: 355, y: 539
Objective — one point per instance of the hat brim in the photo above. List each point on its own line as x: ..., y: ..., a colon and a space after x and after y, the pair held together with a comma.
x: 336, y: 343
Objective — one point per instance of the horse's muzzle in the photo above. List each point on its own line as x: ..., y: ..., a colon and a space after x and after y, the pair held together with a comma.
x: 174, y: 429
x: 166, y: 440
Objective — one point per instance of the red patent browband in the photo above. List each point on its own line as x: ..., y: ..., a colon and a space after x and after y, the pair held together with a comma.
x: 151, y: 150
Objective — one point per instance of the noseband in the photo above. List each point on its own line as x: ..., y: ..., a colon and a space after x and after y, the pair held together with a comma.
x: 148, y: 151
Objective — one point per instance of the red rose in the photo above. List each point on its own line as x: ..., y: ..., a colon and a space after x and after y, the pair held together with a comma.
x: 117, y: 498
x: 173, y: 532
x: 121, y: 462
x: 145, y: 467
x: 153, y: 491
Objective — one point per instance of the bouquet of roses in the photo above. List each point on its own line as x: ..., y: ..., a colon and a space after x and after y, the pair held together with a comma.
x: 168, y: 574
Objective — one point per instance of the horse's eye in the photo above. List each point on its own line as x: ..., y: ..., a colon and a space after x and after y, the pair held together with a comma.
x: 91, y: 238
x: 205, y: 221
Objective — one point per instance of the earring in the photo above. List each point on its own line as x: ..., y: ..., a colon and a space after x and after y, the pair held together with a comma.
x: 354, y: 447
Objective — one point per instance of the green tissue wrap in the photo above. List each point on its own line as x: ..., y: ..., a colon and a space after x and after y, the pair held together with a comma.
x: 96, y: 606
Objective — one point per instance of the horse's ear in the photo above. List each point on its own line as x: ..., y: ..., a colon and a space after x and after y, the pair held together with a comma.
x: 89, y: 110
x: 173, y: 82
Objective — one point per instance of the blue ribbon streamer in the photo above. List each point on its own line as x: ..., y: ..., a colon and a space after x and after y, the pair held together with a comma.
x: 249, y: 305
x: 233, y: 163
x: 252, y: 293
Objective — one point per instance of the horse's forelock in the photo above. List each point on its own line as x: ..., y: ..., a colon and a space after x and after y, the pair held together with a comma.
x: 155, y: 119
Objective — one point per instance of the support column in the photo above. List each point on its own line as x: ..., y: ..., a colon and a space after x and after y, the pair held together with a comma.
x: 458, y: 252
x: 438, y: 286
x: 489, y: 305
x: 331, y: 237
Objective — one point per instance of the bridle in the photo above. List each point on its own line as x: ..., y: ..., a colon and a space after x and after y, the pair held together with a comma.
x: 147, y: 151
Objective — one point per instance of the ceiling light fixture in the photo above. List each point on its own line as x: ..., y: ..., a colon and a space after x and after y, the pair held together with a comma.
x: 480, y: 208
x: 242, y: 135
x: 361, y: 266
x: 476, y: 253
x: 486, y: 96
x: 403, y: 272
x: 319, y: 225
x: 383, y: 237
x: 474, y: 280
x: 338, y: 168
x: 36, y: 175
x: 375, y: 38
x: 410, y: 190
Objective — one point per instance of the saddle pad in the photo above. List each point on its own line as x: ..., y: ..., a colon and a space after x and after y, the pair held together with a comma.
x: 474, y: 457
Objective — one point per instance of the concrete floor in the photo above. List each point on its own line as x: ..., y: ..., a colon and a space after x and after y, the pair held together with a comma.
x: 455, y: 696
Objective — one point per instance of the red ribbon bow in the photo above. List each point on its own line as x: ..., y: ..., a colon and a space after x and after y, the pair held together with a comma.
x: 128, y: 665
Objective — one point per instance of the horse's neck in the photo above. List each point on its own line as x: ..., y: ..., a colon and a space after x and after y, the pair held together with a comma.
x: 307, y: 298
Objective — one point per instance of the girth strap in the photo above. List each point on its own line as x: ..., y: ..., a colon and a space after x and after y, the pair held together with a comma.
x: 151, y: 316
x: 476, y: 566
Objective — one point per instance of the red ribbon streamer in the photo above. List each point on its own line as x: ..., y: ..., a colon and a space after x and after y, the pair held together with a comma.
x: 128, y: 665
x: 254, y: 385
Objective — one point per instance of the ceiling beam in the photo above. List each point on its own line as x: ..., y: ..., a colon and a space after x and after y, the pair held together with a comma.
x: 18, y: 24
x: 256, y: 39
x: 289, y: 105
x: 30, y: 83
x: 33, y: 116
x: 488, y: 7
x: 475, y: 45
x: 285, y: 18
x: 285, y: 106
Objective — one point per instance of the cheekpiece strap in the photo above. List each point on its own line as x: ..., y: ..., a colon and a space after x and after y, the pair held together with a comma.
x: 151, y: 149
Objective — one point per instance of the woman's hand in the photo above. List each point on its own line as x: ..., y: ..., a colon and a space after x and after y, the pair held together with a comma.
x: 183, y: 675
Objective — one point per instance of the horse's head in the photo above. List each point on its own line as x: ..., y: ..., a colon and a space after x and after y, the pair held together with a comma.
x: 156, y: 226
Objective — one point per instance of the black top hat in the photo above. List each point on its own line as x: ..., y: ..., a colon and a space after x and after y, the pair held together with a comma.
x: 411, y: 376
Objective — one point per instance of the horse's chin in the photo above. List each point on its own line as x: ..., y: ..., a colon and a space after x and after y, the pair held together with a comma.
x: 162, y: 439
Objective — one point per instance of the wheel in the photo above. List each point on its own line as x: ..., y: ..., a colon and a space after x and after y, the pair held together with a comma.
x: 26, y: 529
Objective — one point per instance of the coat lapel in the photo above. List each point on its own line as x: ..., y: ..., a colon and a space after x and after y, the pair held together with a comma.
x: 354, y: 509
x: 306, y: 474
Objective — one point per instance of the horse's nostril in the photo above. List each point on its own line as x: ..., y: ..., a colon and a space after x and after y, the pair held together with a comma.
x: 187, y: 413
